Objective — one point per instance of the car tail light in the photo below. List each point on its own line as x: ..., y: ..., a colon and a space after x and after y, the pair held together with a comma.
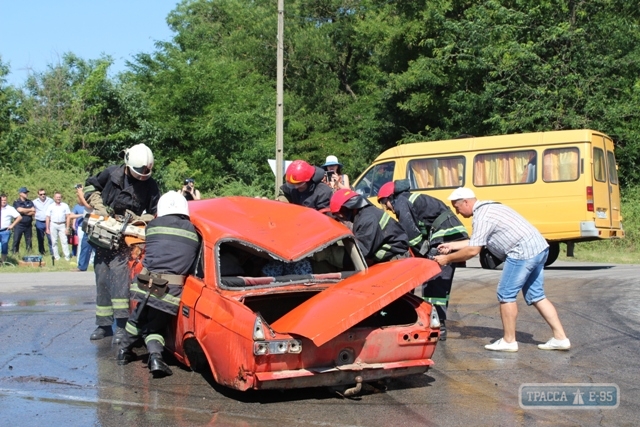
x: 589, y: 199
x: 435, y: 320
x: 277, y: 347
x: 258, y: 329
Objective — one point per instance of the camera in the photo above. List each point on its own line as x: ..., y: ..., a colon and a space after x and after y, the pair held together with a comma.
x: 77, y: 186
x: 329, y: 175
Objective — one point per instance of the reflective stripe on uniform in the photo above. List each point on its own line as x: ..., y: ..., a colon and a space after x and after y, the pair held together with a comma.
x: 130, y: 327
x: 120, y: 303
x: 104, y: 311
x: 413, y: 197
x: 168, y: 298
x: 459, y: 229
x: 436, y: 301
x: 416, y: 240
x: 154, y: 337
x: 380, y: 254
x: 173, y: 232
x: 384, y: 220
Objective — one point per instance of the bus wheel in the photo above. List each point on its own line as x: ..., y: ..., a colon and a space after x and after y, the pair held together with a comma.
x: 554, y: 251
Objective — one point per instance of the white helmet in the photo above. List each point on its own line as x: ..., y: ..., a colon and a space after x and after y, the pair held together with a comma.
x: 139, y: 159
x: 172, y: 203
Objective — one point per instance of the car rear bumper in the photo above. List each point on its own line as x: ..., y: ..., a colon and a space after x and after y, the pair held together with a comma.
x: 340, y: 375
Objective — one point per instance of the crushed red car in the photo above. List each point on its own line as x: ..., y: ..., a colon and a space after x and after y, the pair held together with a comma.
x: 281, y: 297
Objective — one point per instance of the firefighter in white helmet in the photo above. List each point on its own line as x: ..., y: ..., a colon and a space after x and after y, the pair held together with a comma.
x: 121, y: 191
x: 171, y: 249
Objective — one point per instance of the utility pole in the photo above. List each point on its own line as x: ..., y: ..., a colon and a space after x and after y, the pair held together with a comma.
x: 280, y: 98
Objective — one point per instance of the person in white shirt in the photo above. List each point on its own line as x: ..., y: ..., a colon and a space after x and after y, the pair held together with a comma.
x: 9, y: 218
x: 42, y: 203
x: 57, y: 225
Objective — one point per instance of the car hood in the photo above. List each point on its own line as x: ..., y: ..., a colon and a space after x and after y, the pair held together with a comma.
x: 341, y: 306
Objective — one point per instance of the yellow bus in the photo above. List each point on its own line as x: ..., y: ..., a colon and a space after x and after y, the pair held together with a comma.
x: 564, y: 182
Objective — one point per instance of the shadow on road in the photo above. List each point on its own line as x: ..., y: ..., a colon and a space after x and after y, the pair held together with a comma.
x: 486, y: 332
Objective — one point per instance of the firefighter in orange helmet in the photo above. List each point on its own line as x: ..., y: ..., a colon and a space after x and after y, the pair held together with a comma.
x: 379, y: 236
x: 304, y: 186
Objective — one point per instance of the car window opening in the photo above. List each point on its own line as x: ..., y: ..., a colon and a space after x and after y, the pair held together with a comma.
x: 241, y: 265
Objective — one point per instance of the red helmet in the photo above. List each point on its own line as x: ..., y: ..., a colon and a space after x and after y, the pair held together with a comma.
x: 340, y: 197
x: 299, y: 171
x: 386, y: 190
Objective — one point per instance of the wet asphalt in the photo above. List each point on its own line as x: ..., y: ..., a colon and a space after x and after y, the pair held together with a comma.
x: 51, y: 374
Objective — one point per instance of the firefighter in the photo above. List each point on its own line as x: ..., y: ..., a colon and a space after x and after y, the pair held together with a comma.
x: 171, y: 249
x: 379, y: 236
x: 304, y: 186
x: 428, y: 222
x: 117, y: 191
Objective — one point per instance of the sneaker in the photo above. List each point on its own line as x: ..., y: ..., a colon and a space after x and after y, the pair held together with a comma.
x: 67, y: 259
x: 554, y: 344
x: 502, y: 345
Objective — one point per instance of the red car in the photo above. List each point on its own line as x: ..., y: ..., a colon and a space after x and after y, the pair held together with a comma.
x: 282, y: 298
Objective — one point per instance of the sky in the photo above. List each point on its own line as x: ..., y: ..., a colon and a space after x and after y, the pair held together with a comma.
x: 36, y: 33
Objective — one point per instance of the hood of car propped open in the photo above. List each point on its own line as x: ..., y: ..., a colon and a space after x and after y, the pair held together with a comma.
x: 338, y: 308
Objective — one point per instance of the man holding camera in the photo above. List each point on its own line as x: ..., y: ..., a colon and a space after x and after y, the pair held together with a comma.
x: 189, y: 191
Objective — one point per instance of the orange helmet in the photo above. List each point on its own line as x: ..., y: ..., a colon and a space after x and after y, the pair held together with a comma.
x: 343, y: 198
x: 299, y: 171
x: 386, y: 190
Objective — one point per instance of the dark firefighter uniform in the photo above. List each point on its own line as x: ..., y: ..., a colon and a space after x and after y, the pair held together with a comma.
x: 428, y: 222
x: 170, y: 252
x: 119, y: 193
x: 379, y: 236
x: 316, y: 196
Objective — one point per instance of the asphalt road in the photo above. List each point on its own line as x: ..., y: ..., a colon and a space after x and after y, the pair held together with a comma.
x: 51, y: 374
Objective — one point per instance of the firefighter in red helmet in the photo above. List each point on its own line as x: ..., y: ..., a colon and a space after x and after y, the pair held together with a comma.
x: 428, y: 222
x: 379, y: 236
x: 304, y: 186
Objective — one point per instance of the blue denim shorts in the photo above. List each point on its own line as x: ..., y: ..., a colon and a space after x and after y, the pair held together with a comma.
x: 525, y: 274
x: 4, y: 241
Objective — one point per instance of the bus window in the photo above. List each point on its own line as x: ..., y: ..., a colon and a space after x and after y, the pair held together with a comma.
x: 514, y: 167
x: 613, y: 172
x: 436, y: 173
x: 375, y: 178
x: 561, y: 164
x: 598, y: 165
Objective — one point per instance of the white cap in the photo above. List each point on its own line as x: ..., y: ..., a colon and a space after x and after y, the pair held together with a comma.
x: 462, y: 193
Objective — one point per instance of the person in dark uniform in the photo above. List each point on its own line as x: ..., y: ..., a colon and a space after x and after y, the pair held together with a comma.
x: 304, y: 186
x: 171, y: 248
x: 25, y: 207
x: 428, y: 222
x: 119, y: 191
x: 379, y: 236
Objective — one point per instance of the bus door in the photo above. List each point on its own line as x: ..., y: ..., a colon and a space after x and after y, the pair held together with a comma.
x: 601, y: 187
x: 614, y: 186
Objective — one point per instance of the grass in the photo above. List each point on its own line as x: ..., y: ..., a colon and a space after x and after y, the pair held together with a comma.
x: 12, y: 264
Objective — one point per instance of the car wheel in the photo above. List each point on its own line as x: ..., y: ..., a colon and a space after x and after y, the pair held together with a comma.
x: 554, y: 251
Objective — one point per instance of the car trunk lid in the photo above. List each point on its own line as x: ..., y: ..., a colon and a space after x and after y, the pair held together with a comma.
x: 341, y: 306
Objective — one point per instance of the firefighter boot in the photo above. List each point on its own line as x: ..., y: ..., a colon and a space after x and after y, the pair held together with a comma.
x: 120, y: 334
x: 101, y: 332
x: 124, y: 356
x: 443, y: 331
x: 158, y: 367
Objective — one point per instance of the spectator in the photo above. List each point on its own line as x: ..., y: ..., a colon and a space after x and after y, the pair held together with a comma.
x: 42, y: 203
x: 58, y: 225
x: 25, y: 207
x: 119, y: 190
x: 189, y: 191
x: 334, y: 177
x: 85, y: 250
x: 511, y: 238
x: 304, y: 186
x: 379, y: 236
x: 9, y: 218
